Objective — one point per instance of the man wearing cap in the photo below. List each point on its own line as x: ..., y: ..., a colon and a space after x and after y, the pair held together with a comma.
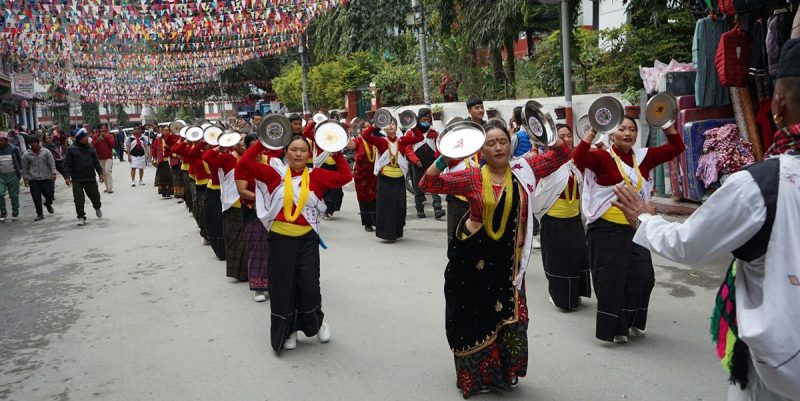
x: 421, y: 156
x: 10, y: 170
x: 475, y: 110
x: 80, y: 165
x: 754, y: 215
x: 103, y: 144
x: 39, y: 173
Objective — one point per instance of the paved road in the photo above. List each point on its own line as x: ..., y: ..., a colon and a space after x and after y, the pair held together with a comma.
x: 133, y: 307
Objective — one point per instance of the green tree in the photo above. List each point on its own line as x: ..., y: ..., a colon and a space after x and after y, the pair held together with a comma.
x: 165, y: 113
x: 122, y: 116
x: 289, y: 86
x: 58, y: 100
x: 91, y: 114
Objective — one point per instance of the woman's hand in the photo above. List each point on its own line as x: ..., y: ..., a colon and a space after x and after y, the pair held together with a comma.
x: 589, y: 136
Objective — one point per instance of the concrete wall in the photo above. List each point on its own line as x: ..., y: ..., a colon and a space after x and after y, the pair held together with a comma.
x: 580, y: 107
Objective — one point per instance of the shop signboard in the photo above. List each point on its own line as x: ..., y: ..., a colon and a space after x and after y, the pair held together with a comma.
x: 23, y: 84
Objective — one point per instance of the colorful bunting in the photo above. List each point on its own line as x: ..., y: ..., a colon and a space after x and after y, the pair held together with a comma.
x: 136, y: 51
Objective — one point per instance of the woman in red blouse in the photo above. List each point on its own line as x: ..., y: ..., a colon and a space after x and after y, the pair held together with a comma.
x: 222, y: 162
x: 255, y: 234
x: 292, y: 218
x: 622, y: 272
x: 365, y: 180
x: 391, y: 168
x: 486, y: 317
x: 565, y: 257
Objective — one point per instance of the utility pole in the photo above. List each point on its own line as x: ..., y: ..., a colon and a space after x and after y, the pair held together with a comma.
x: 419, y: 19
x: 304, y: 68
x: 565, y: 29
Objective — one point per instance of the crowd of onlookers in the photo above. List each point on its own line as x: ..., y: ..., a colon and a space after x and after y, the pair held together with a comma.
x: 35, y: 158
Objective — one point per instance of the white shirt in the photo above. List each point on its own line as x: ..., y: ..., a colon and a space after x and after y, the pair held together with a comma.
x: 726, y: 221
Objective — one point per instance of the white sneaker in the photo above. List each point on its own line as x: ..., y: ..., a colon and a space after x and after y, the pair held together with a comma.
x: 620, y: 339
x: 291, y: 342
x: 536, y: 244
x: 99, y: 213
x: 324, y: 333
x: 260, y: 296
x: 636, y: 332
x: 81, y: 221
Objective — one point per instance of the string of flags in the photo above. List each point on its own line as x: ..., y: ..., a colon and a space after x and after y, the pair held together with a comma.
x: 135, y: 51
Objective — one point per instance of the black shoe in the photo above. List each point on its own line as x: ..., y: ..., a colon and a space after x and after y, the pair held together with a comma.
x: 38, y: 217
x: 420, y: 215
x: 438, y: 213
x: 3, y: 217
x: 50, y: 209
x: 369, y: 229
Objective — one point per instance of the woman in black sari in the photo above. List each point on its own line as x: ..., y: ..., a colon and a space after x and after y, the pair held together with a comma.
x: 486, y: 313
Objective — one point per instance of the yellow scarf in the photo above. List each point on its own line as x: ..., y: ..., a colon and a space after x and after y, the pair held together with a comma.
x: 369, y: 151
x: 625, y: 178
x: 288, y: 195
x: 490, y: 203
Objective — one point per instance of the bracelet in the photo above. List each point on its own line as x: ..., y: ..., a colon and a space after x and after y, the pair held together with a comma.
x: 440, y: 163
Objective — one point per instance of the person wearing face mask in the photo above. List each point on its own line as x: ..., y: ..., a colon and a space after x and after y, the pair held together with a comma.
x: 622, y: 272
x: 391, y: 168
x: 486, y: 315
x: 421, y: 155
x: 292, y: 218
x: 80, y: 165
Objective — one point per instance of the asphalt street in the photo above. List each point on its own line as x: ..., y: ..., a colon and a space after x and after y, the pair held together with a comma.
x: 134, y: 307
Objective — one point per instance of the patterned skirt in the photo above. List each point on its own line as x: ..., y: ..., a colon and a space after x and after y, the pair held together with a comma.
x: 163, y: 179
x: 177, y: 181
x: 255, y: 235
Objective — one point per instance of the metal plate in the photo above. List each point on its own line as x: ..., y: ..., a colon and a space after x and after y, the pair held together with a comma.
x: 382, y: 118
x: 176, y: 126
x: 454, y: 120
x: 539, y: 124
x: 275, y: 131
x: 182, y: 131
x: 211, y: 135
x: 229, y: 139
x: 194, y: 133
x: 461, y: 139
x: 331, y: 136
x: 319, y: 118
x: 583, y: 126
x: 606, y: 114
x: 407, y: 119
x: 661, y: 110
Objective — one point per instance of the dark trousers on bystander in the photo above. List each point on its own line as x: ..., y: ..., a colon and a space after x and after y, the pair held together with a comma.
x: 83, y: 189
x: 41, y: 188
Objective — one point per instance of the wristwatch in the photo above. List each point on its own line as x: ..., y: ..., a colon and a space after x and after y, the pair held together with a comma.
x: 641, y: 218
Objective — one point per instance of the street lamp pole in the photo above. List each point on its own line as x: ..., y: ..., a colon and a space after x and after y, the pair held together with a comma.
x: 419, y: 18
x: 304, y: 68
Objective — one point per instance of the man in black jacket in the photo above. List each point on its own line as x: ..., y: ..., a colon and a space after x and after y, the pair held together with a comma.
x: 80, y: 165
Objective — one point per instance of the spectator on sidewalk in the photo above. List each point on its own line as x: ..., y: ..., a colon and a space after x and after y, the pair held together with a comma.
x: 10, y: 170
x: 55, y: 149
x: 137, y: 147
x: 104, y: 143
x: 119, y: 137
x: 39, y: 173
x: 80, y: 165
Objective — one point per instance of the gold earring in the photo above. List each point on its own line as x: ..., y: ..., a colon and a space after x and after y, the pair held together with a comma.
x: 777, y: 118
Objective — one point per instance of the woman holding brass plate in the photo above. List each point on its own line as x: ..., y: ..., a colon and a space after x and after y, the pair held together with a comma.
x: 622, y: 272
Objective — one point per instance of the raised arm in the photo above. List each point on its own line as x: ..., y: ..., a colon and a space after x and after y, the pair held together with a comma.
x: 261, y: 172
x: 584, y: 156
x: 326, y: 179
x: 452, y: 183
x: 368, y: 135
x: 665, y: 152
x: 546, y: 163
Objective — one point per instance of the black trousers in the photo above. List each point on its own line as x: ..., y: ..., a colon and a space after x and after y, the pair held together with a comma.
x: 294, y: 290
x: 456, y: 210
x: 81, y: 190
x: 41, y: 188
x: 419, y: 195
